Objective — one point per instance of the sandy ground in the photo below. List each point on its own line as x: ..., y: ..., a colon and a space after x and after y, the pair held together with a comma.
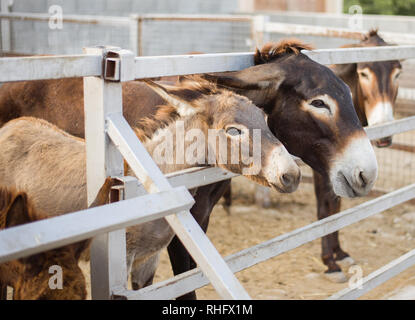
x: 298, y: 274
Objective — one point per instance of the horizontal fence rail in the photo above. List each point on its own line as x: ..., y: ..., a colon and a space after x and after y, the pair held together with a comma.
x: 377, y: 277
x: 311, y: 30
x: 356, y: 55
x: 49, y: 67
x: 39, y: 236
x: 247, y: 258
x: 389, y: 129
x: 83, y: 19
x: 53, y: 67
x: 151, y: 67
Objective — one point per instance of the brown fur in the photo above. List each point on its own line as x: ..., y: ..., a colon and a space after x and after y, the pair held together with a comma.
x: 30, y: 276
x: 272, y: 50
x: 50, y: 164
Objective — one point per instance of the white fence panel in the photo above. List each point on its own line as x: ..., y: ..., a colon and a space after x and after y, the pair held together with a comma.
x: 103, y: 101
x: 377, y: 277
x: 247, y: 258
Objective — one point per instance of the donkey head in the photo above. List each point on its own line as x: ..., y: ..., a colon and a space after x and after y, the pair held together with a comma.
x: 374, y: 86
x: 221, y: 128
x: 311, y: 112
x: 32, y: 275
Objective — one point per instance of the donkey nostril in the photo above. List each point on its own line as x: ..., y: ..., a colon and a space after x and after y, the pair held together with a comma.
x: 363, y: 179
x: 287, y: 179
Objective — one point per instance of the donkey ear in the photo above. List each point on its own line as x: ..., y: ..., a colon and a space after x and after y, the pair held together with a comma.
x: 18, y: 211
x: 344, y: 70
x: 254, y: 78
x: 174, y: 96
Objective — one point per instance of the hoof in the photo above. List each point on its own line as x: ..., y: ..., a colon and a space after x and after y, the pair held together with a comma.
x: 336, y: 277
x: 346, y: 262
x: 227, y: 209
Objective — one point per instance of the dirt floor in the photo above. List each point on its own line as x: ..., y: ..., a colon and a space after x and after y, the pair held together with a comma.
x: 299, y: 274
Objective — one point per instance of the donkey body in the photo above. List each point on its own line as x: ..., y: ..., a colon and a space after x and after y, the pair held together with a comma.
x: 50, y: 164
x: 30, y: 276
x: 309, y: 109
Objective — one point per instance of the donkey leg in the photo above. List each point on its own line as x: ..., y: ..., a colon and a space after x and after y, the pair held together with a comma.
x: 227, y: 196
x: 328, y: 204
x: 206, y: 197
x: 3, y: 291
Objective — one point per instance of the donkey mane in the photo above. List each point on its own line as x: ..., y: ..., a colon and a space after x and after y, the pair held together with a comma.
x: 272, y: 51
x: 190, y: 89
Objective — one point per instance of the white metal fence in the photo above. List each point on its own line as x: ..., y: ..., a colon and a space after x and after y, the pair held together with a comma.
x: 109, y: 139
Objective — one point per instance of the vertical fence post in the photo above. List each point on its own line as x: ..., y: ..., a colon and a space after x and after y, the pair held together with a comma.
x: 6, y: 45
x: 102, y: 97
x: 134, y: 34
x: 259, y: 25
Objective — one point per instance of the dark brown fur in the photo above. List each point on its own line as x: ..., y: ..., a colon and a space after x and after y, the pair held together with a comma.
x: 29, y: 277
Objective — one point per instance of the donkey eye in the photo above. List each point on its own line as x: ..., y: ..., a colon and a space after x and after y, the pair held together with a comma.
x: 233, y: 131
x: 364, y: 75
x: 319, y: 104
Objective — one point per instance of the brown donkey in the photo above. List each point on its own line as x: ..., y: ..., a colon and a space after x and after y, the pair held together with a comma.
x: 308, y: 107
x: 30, y: 276
x: 374, y: 87
x: 48, y: 161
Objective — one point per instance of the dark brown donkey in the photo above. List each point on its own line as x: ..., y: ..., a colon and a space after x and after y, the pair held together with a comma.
x: 308, y: 107
x: 374, y: 87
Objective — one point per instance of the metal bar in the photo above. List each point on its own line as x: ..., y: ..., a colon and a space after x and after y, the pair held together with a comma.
x: 312, y: 30
x: 151, y: 67
x: 244, y: 259
x: 101, y: 98
x: 391, y: 128
x: 377, y: 277
x: 84, y: 19
x: 6, y: 44
x: 183, y: 224
x: 56, y: 232
x: 49, y: 67
x: 134, y: 35
x: 356, y: 55
x: 197, y: 17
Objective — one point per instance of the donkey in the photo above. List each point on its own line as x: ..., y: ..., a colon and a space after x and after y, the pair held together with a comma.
x: 308, y: 107
x: 48, y: 161
x: 30, y: 276
x: 374, y: 87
